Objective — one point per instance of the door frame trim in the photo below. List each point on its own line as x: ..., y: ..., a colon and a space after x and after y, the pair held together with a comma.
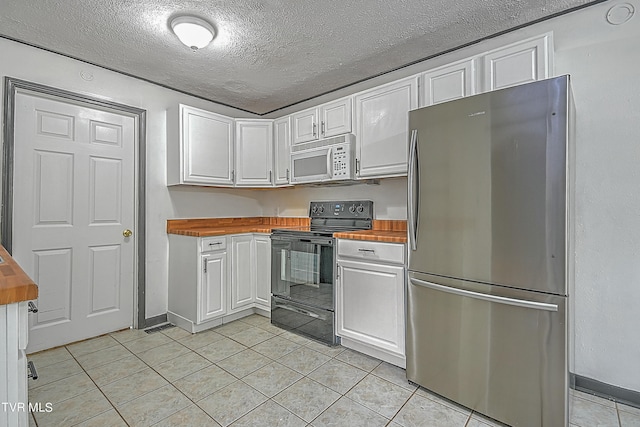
x: 11, y: 87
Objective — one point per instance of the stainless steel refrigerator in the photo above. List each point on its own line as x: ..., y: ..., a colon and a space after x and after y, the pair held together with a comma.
x: 490, y: 208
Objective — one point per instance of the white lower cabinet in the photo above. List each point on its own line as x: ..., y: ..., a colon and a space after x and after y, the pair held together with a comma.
x: 214, y: 280
x: 13, y: 365
x: 370, y: 308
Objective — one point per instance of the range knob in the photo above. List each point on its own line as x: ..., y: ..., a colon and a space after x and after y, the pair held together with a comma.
x: 314, y: 209
x: 320, y: 209
x: 352, y: 208
x: 360, y: 208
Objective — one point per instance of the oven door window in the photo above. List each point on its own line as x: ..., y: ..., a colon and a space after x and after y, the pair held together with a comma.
x: 303, y: 272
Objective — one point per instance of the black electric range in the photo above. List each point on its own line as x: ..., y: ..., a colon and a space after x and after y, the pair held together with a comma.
x: 303, y: 268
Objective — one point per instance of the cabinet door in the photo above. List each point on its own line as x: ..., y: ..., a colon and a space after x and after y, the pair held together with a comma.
x: 207, y: 147
x: 382, y: 123
x: 243, y: 271
x: 305, y: 126
x: 370, y: 304
x: 518, y: 63
x: 212, y: 285
x: 282, y: 149
x: 254, y: 145
x: 335, y: 118
x: 263, y: 270
x: 448, y: 83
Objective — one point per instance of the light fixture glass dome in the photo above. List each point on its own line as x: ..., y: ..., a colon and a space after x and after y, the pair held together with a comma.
x: 194, y: 32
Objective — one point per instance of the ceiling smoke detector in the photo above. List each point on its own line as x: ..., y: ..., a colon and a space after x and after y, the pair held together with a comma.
x: 192, y: 31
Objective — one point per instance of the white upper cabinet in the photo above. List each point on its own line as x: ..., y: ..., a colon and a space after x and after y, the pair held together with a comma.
x: 518, y: 63
x: 254, y: 146
x: 449, y: 82
x: 382, y: 124
x: 281, y: 150
x: 199, y: 147
x: 333, y: 118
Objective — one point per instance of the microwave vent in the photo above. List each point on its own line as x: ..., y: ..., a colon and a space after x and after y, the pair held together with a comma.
x: 341, y: 139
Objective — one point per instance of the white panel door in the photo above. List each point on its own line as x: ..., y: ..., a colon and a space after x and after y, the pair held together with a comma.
x: 282, y: 150
x: 254, y: 146
x: 448, y: 83
x: 207, y: 140
x: 336, y: 118
x: 370, y: 304
x: 263, y: 270
x: 74, y: 189
x: 242, y: 271
x: 305, y: 126
x: 213, y: 284
x: 516, y: 64
x: 382, y: 126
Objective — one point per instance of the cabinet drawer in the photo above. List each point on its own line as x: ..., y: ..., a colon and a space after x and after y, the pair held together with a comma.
x: 209, y: 244
x: 374, y: 251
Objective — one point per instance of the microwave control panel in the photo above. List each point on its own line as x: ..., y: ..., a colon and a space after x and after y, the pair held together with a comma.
x: 341, y: 162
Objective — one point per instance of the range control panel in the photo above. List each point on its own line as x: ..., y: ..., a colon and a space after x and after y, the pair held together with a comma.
x: 361, y: 209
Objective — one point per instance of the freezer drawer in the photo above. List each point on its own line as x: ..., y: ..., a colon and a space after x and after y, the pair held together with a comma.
x: 499, y: 351
x: 313, y: 322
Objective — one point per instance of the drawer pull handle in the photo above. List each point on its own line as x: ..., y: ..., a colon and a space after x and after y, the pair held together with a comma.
x: 214, y: 244
x: 367, y: 250
x: 32, y: 307
x: 33, y: 374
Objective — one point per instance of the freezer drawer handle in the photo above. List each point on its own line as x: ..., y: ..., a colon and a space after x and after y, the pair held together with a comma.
x: 300, y: 311
x: 486, y: 297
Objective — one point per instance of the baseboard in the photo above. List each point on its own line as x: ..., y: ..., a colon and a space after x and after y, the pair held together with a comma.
x: 155, y: 320
x: 607, y: 391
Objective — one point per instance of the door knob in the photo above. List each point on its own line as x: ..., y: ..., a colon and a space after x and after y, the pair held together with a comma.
x: 127, y: 233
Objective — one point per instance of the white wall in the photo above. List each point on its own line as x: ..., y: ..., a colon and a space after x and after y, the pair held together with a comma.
x: 604, y: 62
x: 389, y: 198
x: 38, y: 66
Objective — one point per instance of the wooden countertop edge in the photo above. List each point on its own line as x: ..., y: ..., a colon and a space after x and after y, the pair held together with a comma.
x: 15, y: 285
x: 374, y: 236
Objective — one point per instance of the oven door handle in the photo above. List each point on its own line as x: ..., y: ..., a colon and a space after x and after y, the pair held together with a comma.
x: 315, y: 241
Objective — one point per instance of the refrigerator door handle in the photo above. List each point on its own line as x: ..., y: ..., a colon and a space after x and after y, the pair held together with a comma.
x: 413, y: 183
x: 486, y: 297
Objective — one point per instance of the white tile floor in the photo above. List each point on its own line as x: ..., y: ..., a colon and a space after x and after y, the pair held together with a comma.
x: 248, y: 373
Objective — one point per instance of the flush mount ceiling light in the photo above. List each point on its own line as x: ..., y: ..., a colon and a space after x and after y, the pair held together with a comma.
x: 194, y: 32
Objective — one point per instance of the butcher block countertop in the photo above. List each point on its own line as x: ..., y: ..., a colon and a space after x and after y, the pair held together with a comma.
x: 205, y: 227
x: 390, y: 231
x: 394, y: 231
x: 15, y: 285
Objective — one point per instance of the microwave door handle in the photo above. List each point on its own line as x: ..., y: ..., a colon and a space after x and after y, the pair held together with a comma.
x: 329, y: 163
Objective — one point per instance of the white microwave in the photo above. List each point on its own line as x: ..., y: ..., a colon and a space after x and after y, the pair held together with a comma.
x: 330, y: 159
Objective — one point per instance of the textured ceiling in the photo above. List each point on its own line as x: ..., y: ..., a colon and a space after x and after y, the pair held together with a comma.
x: 268, y: 54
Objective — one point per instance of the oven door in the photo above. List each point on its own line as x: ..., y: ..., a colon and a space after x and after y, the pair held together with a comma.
x: 311, y: 166
x: 302, y: 270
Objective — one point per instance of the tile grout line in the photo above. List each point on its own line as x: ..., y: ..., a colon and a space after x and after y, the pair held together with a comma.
x: 98, y: 387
